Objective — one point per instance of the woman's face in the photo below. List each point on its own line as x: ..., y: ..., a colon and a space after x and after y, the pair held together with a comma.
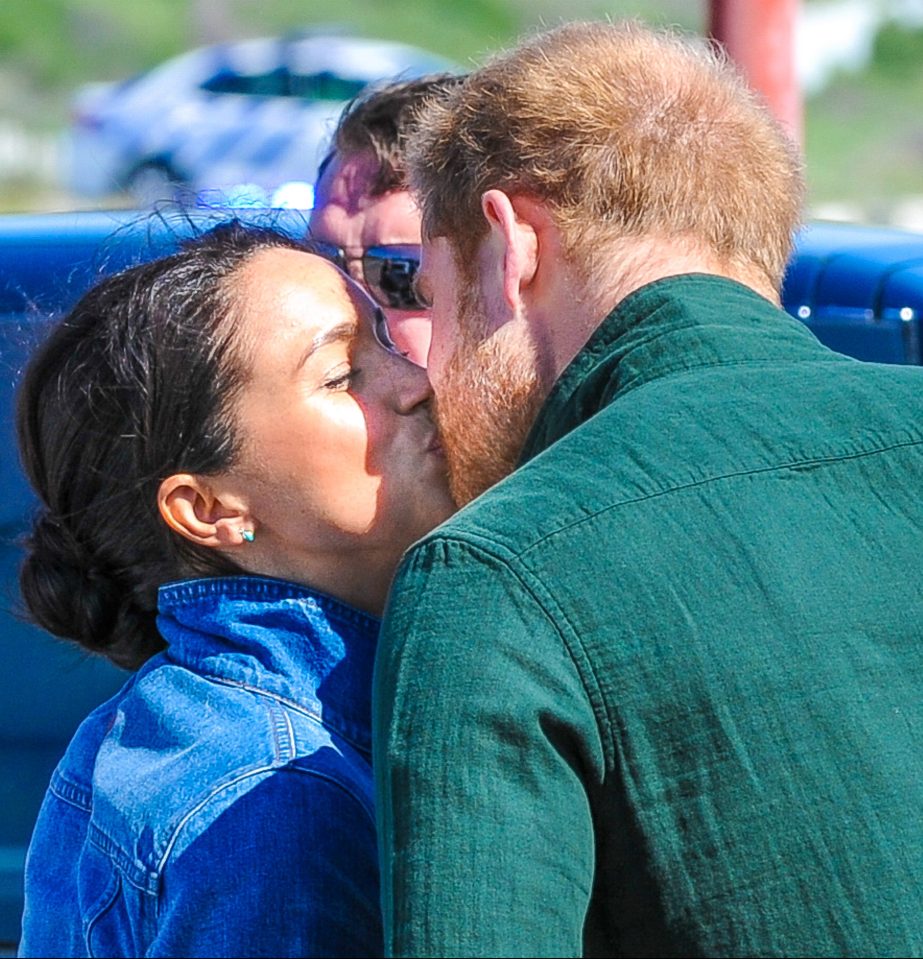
x: 341, y: 466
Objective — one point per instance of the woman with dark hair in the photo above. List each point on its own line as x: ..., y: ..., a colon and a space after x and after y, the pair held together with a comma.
x: 230, y: 458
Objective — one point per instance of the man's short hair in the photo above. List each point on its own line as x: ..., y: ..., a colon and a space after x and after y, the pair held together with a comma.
x: 622, y: 131
x: 377, y: 121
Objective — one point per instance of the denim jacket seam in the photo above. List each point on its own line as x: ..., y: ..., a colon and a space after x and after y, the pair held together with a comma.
x: 199, y: 806
x: 70, y: 793
x: 288, y: 767
x: 130, y: 869
x: 283, y: 732
x: 284, y: 741
x: 367, y: 808
x: 121, y: 861
x: 245, y: 587
x: 125, y: 871
x: 101, y: 907
x: 330, y: 725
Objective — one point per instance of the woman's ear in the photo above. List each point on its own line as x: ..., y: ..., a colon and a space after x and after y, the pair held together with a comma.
x: 191, y: 507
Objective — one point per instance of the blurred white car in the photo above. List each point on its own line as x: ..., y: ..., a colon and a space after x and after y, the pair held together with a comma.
x: 251, y: 116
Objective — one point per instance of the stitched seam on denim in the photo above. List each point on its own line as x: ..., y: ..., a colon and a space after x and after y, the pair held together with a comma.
x: 739, y: 474
x: 126, y: 866
x: 250, y: 587
x: 214, y: 795
x: 70, y: 793
x: 283, y: 733
x: 102, y: 907
x: 326, y: 723
x: 260, y: 771
x: 367, y: 808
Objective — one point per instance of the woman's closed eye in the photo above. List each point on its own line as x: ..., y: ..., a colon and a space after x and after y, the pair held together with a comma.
x: 341, y: 378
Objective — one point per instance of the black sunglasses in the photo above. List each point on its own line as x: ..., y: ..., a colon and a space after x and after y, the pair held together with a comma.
x: 388, y: 271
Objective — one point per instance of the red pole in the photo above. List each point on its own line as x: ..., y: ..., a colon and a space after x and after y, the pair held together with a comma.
x: 759, y: 36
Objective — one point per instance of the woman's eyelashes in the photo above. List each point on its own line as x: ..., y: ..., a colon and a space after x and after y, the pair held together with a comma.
x: 343, y: 375
x: 340, y: 378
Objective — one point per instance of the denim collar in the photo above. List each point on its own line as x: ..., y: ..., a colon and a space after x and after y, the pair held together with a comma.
x: 284, y: 639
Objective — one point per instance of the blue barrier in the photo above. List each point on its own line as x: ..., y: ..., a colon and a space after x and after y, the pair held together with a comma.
x: 860, y: 290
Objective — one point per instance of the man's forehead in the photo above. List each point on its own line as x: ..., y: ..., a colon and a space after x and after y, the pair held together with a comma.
x: 347, y: 181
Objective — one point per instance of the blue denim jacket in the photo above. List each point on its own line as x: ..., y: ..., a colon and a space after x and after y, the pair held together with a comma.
x: 221, y: 803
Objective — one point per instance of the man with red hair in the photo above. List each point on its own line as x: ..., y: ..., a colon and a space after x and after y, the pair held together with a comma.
x: 655, y: 691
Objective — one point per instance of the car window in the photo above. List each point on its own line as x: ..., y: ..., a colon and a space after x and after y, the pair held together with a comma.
x: 324, y: 86
x: 274, y: 83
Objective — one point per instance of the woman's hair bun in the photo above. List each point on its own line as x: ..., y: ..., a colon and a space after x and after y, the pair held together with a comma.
x: 72, y: 595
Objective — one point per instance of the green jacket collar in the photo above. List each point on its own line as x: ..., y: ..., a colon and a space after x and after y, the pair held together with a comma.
x: 668, y: 326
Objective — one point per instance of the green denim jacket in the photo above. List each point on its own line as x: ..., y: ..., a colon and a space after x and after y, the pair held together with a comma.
x: 658, y: 693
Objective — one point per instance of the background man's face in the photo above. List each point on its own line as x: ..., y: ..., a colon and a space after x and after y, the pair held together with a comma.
x: 483, y: 373
x: 346, y: 215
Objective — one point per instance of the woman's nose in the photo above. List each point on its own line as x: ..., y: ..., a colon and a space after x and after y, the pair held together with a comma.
x: 411, y: 385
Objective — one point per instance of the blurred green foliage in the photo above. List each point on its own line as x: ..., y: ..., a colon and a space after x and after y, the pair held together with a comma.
x: 55, y: 44
x: 898, y: 54
x: 59, y: 43
x: 864, y: 131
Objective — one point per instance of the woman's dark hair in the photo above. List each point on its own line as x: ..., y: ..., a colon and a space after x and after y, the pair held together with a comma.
x: 137, y: 382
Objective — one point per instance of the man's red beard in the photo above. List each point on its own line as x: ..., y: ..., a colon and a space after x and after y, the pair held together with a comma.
x: 486, y: 401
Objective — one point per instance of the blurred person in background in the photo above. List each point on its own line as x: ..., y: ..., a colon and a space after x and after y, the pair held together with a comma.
x: 364, y: 216
x: 656, y: 689
x: 230, y: 457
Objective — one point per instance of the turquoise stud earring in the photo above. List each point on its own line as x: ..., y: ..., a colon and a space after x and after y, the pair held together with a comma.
x: 247, y: 535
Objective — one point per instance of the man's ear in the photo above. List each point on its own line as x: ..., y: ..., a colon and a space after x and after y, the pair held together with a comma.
x: 190, y: 506
x: 514, y: 236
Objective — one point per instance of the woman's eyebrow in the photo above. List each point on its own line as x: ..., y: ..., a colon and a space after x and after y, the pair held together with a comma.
x: 333, y: 334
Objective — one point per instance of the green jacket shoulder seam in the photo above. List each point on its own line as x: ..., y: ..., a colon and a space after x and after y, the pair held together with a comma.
x: 555, y: 615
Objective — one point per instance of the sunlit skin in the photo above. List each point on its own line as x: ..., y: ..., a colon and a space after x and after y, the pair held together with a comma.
x: 346, y: 215
x: 341, y: 469
x: 439, y: 286
x: 483, y: 370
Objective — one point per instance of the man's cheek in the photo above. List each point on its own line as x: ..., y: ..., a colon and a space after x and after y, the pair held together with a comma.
x: 440, y: 352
